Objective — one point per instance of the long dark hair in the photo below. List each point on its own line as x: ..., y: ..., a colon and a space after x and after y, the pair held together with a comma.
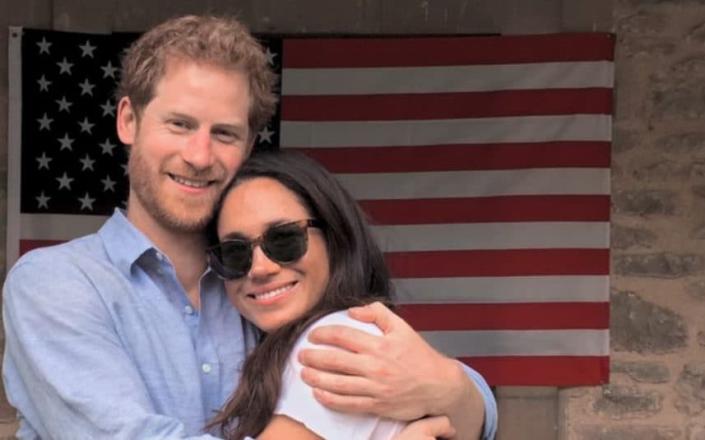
x: 358, y: 275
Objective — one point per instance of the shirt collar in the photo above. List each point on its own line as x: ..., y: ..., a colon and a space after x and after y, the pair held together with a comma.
x: 123, y: 242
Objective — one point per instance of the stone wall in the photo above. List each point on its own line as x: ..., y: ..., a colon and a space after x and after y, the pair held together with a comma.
x: 657, y: 385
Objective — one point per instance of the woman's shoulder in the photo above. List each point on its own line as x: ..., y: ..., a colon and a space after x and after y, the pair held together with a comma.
x: 341, y: 317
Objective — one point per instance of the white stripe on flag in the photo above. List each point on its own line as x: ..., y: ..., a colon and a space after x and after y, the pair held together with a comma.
x: 446, y: 79
x: 521, y: 289
x: 520, y: 343
x: 578, y: 127
x: 492, y: 183
x: 527, y: 235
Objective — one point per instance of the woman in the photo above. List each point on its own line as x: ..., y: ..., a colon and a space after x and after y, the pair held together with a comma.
x: 295, y: 252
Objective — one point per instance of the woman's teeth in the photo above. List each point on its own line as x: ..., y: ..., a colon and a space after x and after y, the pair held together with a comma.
x: 273, y: 293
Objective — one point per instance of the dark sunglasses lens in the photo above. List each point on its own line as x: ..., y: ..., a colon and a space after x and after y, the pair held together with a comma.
x: 285, y: 243
x: 235, y: 257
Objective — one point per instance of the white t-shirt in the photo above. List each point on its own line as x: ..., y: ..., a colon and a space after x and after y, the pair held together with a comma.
x: 297, y: 402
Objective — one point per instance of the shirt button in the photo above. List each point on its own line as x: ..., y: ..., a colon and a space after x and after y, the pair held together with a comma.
x: 188, y: 310
x: 206, y: 368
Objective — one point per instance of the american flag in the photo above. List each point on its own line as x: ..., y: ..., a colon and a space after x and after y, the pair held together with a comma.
x: 483, y: 163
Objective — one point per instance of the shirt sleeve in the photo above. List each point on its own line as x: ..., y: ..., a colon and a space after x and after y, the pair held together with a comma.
x: 64, y: 364
x: 297, y: 402
x: 490, y: 426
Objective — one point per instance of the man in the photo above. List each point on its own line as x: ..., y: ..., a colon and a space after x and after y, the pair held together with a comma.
x: 126, y: 333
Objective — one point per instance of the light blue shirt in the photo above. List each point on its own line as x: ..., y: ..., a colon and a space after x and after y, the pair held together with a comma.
x: 101, y: 342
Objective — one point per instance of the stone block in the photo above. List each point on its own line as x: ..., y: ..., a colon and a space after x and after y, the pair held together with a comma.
x: 643, y: 327
x: 619, y: 402
x: 696, y: 289
x: 623, y: 237
x: 625, y: 140
x: 646, y: 47
x: 679, y: 102
x: 691, y: 389
x: 644, y: 372
x: 695, y: 431
x: 139, y: 15
x: 595, y: 16
x: 527, y: 412
x: 690, y: 67
x: 701, y: 338
x: 83, y: 15
x: 441, y: 16
x: 660, y: 169
x: 314, y: 16
x: 629, y: 432
x: 642, y: 23
x: 644, y: 202
x: 661, y: 265
x: 682, y: 143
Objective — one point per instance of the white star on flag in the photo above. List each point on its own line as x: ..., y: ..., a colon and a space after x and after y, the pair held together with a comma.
x: 86, y: 126
x: 42, y: 201
x: 86, y: 87
x: 108, y: 108
x: 270, y: 56
x: 43, y: 161
x: 64, y: 66
x: 109, y: 70
x: 87, y: 49
x: 265, y: 135
x: 107, y: 147
x: 108, y: 184
x: 66, y: 143
x: 44, y: 46
x: 87, y: 163
x: 43, y: 84
x: 45, y: 122
x: 86, y: 202
x: 64, y: 104
x: 65, y: 181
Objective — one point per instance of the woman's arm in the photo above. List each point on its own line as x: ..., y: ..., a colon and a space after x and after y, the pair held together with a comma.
x: 284, y: 427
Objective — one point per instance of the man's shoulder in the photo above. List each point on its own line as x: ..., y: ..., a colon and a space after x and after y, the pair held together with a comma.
x: 88, y: 246
x: 86, y: 251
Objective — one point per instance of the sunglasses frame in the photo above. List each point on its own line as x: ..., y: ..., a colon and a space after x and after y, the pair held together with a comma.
x: 214, y: 252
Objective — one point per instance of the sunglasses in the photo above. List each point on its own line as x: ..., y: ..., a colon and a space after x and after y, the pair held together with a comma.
x: 284, y: 244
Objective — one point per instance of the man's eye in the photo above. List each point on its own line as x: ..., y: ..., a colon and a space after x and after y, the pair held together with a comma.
x: 226, y: 137
x: 179, y: 125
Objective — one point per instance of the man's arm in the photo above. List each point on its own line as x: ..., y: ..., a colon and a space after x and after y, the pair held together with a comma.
x: 65, y: 367
x: 396, y: 375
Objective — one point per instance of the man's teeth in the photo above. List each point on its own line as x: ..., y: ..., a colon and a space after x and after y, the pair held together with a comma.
x: 273, y: 293
x: 191, y: 183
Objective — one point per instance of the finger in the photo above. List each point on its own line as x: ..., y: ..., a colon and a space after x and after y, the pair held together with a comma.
x: 350, y: 404
x: 375, y: 313
x: 347, y: 338
x: 340, y: 383
x: 438, y: 426
x: 337, y: 361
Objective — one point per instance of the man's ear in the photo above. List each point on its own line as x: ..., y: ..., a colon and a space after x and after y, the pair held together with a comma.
x: 126, y: 121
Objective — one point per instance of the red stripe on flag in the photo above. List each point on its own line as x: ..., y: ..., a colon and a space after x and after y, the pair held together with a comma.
x: 582, y: 208
x: 541, y: 370
x: 575, y: 154
x: 527, y: 316
x: 28, y: 245
x: 490, y: 263
x: 445, y: 51
x: 424, y: 106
